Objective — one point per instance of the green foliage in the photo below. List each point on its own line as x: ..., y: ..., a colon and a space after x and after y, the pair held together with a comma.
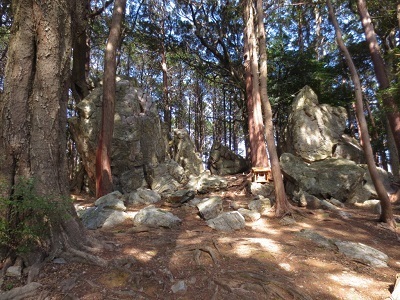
x: 26, y: 217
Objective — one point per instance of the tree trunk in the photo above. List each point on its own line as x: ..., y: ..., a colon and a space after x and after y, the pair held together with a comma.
x: 34, y: 116
x: 80, y: 61
x: 258, y: 152
x: 391, y: 108
x: 282, y: 206
x: 104, y: 184
x: 386, y: 214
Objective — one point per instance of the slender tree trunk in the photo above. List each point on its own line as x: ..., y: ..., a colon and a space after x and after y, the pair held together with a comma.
x: 104, y: 184
x: 282, y: 206
x: 391, y: 108
x: 387, y: 214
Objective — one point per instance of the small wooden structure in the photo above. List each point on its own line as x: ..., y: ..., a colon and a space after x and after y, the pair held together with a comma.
x: 261, y: 174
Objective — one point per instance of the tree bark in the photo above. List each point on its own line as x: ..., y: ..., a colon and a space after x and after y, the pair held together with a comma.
x: 282, y: 206
x: 386, y: 214
x: 258, y: 151
x: 80, y: 58
x: 391, y: 108
x: 104, y: 183
x: 34, y: 116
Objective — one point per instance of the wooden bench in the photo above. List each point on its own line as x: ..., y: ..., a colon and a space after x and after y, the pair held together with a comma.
x: 261, y: 174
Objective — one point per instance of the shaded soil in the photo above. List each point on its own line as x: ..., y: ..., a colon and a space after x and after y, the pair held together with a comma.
x: 266, y: 260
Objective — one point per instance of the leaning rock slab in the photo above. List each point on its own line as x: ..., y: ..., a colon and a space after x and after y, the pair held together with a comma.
x: 363, y: 253
x: 228, y: 221
x: 143, y: 196
x: 210, y: 208
x: 154, y: 217
x: 317, y: 178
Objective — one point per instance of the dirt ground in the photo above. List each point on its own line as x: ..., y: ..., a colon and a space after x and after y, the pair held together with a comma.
x: 266, y: 260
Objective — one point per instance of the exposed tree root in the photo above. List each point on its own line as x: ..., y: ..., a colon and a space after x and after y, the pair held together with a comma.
x: 198, y: 249
x: 73, y: 253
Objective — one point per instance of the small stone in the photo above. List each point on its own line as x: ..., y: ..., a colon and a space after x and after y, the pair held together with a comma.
x: 180, y: 286
x: 14, y: 271
x: 59, y: 260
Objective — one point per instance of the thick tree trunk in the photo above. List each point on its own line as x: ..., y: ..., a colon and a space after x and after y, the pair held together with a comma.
x: 34, y: 112
x: 282, y: 206
x: 104, y: 184
x: 387, y: 214
x: 258, y: 151
x: 391, y: 107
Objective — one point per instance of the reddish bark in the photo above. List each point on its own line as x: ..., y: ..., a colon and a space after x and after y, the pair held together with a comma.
x: 104, y: 183
x: 391, y: 108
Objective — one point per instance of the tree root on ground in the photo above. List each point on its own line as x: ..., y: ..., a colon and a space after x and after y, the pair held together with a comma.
x: 198, y: 249
x: 275, y: 286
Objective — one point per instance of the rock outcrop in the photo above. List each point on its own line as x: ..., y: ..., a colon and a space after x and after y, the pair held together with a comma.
x: 313, y: 129
x: 185, y: 153
x: 223, y: 161
x: 137, y: 140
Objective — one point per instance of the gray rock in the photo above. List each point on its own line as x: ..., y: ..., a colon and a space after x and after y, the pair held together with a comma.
x: 228, y: 221
x: 180, y: 286
x: 194, y: 202
x: 312, y: 128
x: 14, y: 271
x: 262, y: 205
x: 349, y: 148
x: 328, y: 206
x: 155, y: 217
x: 330, y: 178
x: 59, y: 260
x: 97, y: 217
x: 367, y: 189
x: 262, y: 189
x: 373, y: 205
x: 168, y: 177
x: 304, y: 199
x: 111, y: 201
x: 206, y: 183
x: 143, y: 196
x: 317, y: 238
x: 113, y: 218
x: 181, y: 196
x: 185, y: 154
x: 336, y: 202
x: 223, y: 161
x: 210, y: 208
x: 138, y: 139
x: 363, y: 253
x: 249, y: 215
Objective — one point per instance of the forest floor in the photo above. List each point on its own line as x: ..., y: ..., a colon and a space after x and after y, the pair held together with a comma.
x: 266, y: 260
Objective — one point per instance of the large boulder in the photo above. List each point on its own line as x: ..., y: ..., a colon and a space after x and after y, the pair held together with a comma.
x: 185, y: 153
x: 137, y: 139
x: 313, y: 129
x: 223, y: 161
x: 329, y: 178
